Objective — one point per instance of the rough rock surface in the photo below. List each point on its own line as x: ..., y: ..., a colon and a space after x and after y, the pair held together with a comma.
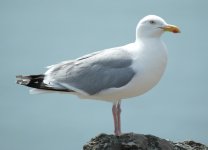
x: 132, y: 141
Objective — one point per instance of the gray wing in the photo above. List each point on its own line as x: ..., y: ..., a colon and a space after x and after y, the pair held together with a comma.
x: 95, y: 72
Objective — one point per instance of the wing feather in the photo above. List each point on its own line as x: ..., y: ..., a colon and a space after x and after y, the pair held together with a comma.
x: 94, y: 72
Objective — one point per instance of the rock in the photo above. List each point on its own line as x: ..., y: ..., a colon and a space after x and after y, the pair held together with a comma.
x: 132, y: 141
x: 189, y: 145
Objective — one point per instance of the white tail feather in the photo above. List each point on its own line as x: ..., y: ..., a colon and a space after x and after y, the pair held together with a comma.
x: 38, y: 91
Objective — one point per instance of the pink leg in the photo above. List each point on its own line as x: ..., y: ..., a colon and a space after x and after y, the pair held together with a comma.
x: 114, y: 110
x: 116, y: 117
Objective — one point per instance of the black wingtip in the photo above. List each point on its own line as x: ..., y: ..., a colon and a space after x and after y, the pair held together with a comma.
x: 36, y: 81
x: 31, y: 80
x: 22, y: 80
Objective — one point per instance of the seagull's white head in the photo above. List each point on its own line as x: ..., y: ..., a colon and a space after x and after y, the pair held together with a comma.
x: 153, y: 26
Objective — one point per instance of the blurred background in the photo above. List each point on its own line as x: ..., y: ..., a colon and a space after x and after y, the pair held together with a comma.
x: 38, y: 33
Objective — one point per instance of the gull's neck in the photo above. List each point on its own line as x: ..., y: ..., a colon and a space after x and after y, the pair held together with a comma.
x: 147, y: 39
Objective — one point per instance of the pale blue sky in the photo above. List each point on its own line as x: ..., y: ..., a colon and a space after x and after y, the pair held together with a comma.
x: 37, y: 33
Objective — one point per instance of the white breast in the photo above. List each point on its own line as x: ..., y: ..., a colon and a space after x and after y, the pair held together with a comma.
x: 150, y: 64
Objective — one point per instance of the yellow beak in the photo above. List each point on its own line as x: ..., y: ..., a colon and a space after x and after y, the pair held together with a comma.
x: 171, y: 28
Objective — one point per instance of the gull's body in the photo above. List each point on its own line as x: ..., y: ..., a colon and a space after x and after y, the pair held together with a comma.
x: 146, y: 72
x: 112, y: 74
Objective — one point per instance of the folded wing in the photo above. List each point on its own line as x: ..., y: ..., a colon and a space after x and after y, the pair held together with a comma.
x: 92, y: 73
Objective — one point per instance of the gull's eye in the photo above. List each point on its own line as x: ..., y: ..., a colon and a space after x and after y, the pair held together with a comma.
x: 152, y: 22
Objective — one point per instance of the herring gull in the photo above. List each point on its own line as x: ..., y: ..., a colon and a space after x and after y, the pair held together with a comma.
x: 111, y: 74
